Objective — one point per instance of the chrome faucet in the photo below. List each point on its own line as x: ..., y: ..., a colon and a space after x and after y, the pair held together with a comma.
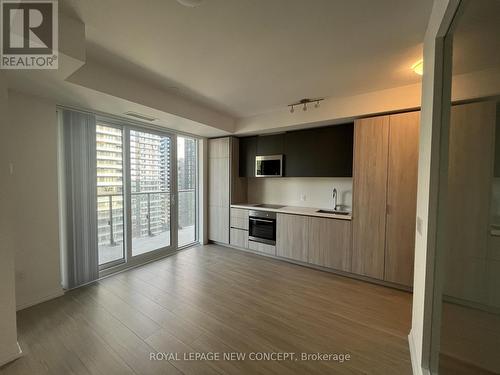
x: 334, y: 199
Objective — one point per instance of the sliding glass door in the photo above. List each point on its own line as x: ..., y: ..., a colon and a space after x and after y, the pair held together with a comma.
x: 150, y: 190
x: 110, y: 195
x: 146, y: 207
x: 187, y: 166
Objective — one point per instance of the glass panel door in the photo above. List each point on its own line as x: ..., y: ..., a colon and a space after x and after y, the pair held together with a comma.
x: 147, y: 193
x: 109, y: 147
x: 150, y: 189
x: 187, y: 168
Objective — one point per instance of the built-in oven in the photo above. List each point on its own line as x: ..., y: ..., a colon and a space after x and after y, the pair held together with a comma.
x: 269, y: 166
x: 262, y: 227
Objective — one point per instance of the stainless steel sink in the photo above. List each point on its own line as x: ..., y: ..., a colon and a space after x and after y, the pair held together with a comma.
x: 333, y: 212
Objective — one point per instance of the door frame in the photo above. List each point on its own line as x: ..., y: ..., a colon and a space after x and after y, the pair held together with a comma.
x: 130, y: 260
x: 435, y: 111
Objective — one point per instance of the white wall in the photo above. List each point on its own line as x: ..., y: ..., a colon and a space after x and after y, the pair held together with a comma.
x: 35, y: 221
x: 8, y: 336
x: 288, y: 191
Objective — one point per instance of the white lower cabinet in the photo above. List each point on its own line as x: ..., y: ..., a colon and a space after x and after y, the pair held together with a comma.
x: 239, y: 238
x: 319, y: 241
x: 262, y: 247
x: 239, y: 218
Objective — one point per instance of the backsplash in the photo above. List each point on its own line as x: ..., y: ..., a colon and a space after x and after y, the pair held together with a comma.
x: 290, y: 191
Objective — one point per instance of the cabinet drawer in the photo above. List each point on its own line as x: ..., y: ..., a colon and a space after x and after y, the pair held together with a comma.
x: 262, y: 247
x: 239, y: 237
x: 239, y: 218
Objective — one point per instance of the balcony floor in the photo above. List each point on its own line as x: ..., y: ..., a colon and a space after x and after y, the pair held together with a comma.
x: 143, y: 245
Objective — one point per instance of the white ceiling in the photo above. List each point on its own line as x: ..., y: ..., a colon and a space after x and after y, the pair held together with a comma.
x: 246, y: 57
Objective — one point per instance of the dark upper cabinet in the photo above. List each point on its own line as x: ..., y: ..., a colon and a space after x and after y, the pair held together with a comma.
x: 320, y: 152
x: 248, y: 151
x: 270, y: 144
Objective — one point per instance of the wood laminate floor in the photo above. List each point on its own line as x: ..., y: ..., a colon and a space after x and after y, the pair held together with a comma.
x: 215, y: 299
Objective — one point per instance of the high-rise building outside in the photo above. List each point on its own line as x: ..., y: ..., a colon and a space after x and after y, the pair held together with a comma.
x: 186, y: 176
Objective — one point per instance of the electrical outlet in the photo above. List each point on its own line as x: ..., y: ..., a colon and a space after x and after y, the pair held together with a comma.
x: 303, y: 197
x: 11, y: 168
x: 20, y: 275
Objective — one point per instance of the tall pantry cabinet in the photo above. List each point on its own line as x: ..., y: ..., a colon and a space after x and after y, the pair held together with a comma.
x: 385, y: 194
x: 224, y: 186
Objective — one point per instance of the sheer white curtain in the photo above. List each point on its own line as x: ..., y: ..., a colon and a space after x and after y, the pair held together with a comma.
x: 80, y: 254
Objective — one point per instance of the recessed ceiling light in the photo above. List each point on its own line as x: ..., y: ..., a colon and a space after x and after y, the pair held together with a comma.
x: 190, y: 3
x: 418, y: 67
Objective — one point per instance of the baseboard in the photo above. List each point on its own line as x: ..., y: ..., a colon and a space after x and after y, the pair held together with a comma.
x: 12, y: 357
x: 415, y: 362
x: 36, y: 301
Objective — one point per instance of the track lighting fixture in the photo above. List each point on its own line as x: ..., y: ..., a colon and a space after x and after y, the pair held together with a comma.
x: 304, y: 102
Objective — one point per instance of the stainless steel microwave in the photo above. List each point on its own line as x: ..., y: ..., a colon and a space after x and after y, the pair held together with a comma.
x: 269, y: 166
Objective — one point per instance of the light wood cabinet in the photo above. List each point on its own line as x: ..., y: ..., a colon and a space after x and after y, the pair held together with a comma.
x: 239, y: 237
x: 219, y: 148
x: 239, y: 218
x: 384, y: 196
x: 218, y: 182
x: 224, y: 188
x: 262, y: 247
x: 292, y: 236
x: 330, y: 243
x: 371, y: 142
x: 218, y: 189
x: 401, y: 197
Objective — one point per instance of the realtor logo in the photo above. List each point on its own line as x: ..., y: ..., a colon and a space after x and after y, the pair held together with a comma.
x: 29, y: 34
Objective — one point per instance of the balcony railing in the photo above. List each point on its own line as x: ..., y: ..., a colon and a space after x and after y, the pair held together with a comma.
x: 111, y: 203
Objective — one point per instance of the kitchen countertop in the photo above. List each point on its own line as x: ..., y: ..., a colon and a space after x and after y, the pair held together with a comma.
x: 306, y: 211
